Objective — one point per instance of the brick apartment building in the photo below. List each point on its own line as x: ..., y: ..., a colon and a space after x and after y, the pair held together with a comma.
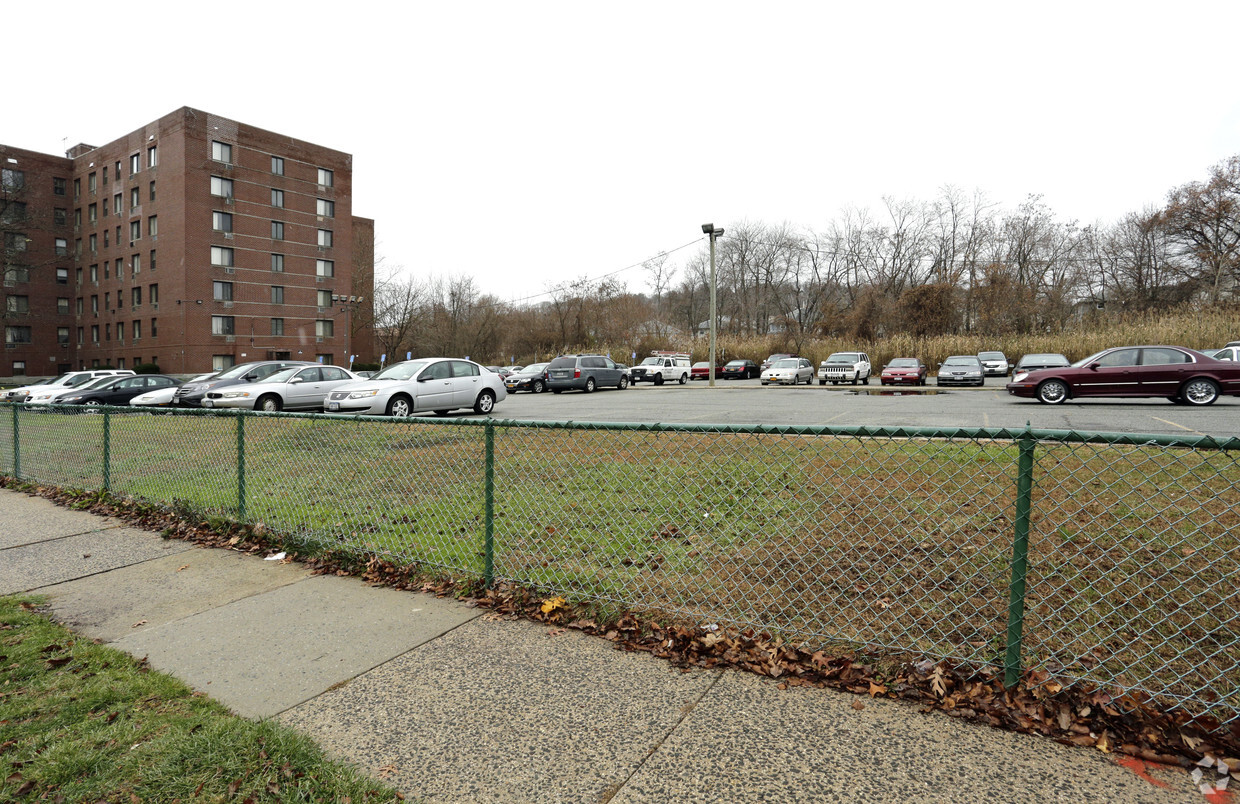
x: 195, y: 242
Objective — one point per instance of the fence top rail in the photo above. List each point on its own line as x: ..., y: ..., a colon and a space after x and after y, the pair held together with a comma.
x: 1206, y: 442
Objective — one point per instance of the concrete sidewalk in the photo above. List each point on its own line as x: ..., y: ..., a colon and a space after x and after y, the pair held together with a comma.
x: 456, y: 707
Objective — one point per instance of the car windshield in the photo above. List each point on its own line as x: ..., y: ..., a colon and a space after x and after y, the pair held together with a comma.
x: 703, y: 364
x: 79, y: 381
x: 400, y: 371
x: 961, y: 361
x: 236, y: 372
x: 843, y: 357
x: 1085, y: 361
x: 284, y: 375
x: 736, y: 363
x: 991, y: 356
x: 790, y: 362
x: 1044, y: 359
x: 99, y: 382
x: 903, y: 362
x: 653, y: 361
x: 536, y: 368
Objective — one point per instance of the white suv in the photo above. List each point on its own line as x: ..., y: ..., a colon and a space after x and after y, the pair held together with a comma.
x: 845, y: 367
x: 65, y: 382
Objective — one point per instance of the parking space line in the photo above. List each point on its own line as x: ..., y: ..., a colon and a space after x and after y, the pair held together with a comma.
x: 1182, y: 427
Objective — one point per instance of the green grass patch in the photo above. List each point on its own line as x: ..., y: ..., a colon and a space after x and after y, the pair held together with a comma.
x: 84, y: 722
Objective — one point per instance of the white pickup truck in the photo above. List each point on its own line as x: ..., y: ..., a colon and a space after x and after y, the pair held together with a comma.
x: 845, y: 367
x: 663, y: 367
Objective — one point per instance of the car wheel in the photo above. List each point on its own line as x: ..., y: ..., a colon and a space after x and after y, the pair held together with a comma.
x: 485, y: 403
x: 866, y: 380
x: 1199, y: 391
x: 658, y: 380
x: 835, y: 382
x: 822, y: 382
x: 1052, y: 392
x: 624, y: 382
x: 538, y: 387
x: 683, y: 379
x: 269, y: 402
x: 589, y: 385
x: 854, y: 380
x: 399, y: 406
x: 92, y: 403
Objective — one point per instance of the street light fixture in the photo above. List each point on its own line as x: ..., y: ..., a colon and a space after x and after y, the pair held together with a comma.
x: 710, y: 230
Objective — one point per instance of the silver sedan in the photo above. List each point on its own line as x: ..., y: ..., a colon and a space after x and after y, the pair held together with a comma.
x: 439, y: 384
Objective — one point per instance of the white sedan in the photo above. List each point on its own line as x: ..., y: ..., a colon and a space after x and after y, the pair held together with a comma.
x: 439, y: 384
x: 294, y: 388
x: 789, y: 371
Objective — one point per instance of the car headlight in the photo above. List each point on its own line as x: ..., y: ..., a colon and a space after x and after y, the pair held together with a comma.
x: 1020, y: 376
x: 363, y: 394
x: 974, y: 374
x: 234, y: 394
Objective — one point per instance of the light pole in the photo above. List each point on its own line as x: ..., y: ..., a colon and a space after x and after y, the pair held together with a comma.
x: 350, y: 303
x: 709, y: 229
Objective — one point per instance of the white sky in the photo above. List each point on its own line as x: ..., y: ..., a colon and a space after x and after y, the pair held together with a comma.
x: 529, y: 143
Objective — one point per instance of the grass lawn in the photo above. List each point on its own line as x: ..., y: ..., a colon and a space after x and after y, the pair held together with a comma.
x: 895, y: 544
x: 84, y: 722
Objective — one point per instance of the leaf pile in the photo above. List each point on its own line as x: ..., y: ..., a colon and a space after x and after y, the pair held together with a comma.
x: 1129, y: 723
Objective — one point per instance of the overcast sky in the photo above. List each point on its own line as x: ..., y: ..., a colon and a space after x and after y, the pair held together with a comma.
x: 530, y: 143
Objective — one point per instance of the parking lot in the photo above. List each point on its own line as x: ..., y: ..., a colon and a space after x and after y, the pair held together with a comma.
x: 748, y: 402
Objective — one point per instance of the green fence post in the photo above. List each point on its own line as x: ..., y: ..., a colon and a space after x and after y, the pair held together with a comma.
x: 488, y: 544
x: 1020, y: 558
x: 241, y: 467
x: 17, y: 446
x: 107, y: 450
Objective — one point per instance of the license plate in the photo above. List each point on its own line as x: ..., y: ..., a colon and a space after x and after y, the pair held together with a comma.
x: 333, y: 406
x: 207, y: 403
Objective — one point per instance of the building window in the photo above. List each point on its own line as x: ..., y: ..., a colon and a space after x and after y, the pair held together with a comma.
x: 135, y: 164
x: 77, y: 188
x: 277, y: 165
x: 18, y: 304
x: 62, y: 247
x: 134, y: 198
x: 105, y: 174
x: 326, y: 208
x: 277, y: 230
x: 105, y: 236
x: 152, y: 262
x: 120, y: 332
x: 221, y: 362
x: 91, y: 182
x: 92, y: 213
x: 222, y: 291
x: 137, y: 335
x: 135, y: 296
x: 325, y: 177
x: 222, y: 325
x: 117, y: 165
x: 94, y: 273
x: 277, y: 326
x: 13, y: 180
x: 81, y: 334
x: 277, y: 198
x: 16, y: 273
x: 59, y: 186
x: 277, y: 294
x: 222, y: 256
x: 221, y: 187
x: 14, y: 241
x: 62, y: 305
x: 60, y: 216
x: 13, y: 212
x: 152, y: 191
x: 135, y: 265
x: 152, y: 227
x: 325, y: 238
x: 135, y: 230
x: 107, y: 300
x: 221, y: 151
x: 120, y: 273
x: 94, y: 333
x: 77, y: 218
x: 117, y: 204
x: 79, y: 277
x: 17, y: 335
x: 62, y: 276
x: 324, y: 329
x: 325, y: 298
x: 19, y: 368
x: 221, y: 221
x: 93, y: 240
x: 152, y: 293
x: 152, y: 156
x: 154, y: 327
x: 62, y: 335
x: 324, y: 268
x: 107, y: 332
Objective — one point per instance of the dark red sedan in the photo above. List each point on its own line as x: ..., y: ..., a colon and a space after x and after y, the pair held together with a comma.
x: 904, y: 371
x: 701, y: 371
x: 1184, y: 376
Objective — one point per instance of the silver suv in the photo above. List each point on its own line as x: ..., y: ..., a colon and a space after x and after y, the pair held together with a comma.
x: 585, y: 372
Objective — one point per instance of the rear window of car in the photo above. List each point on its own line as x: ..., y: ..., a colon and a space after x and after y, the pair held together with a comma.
x: 991, y: 355
x: 562, y: 362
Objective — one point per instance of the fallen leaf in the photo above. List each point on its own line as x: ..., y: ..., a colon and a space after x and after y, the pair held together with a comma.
x: 551, y: 604
x: 1103, y: 744
x: 876, y: 689
x: 138, y: 623
x: 858, y: 705
x: 183, y: 567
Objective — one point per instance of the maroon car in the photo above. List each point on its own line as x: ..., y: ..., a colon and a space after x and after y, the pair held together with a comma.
x: 701, y: 371
x: 1184, y: 376
x: 904, y: 371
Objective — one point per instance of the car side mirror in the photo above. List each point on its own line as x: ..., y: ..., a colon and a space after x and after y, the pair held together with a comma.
x: 1093, y: 366
x: 295, y: 380
x: 424, y: 378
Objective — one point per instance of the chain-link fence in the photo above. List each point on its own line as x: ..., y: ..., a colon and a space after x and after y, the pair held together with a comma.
x: 1105, y: 558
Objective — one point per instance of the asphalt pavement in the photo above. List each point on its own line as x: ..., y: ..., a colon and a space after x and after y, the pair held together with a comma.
x: 451, y: 705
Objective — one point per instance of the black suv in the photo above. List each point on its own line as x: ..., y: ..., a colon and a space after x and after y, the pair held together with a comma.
x: 190, y: 394
x: 585, y: 372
